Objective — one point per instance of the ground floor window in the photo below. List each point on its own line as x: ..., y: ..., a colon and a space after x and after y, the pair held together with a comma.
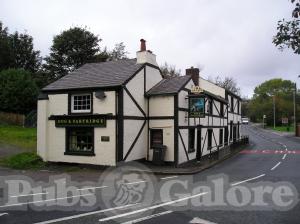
x: 156, y: 137
x: 191, y: 140
x: 221, y: 136
x: 209, y: 138
x: 80, y: 141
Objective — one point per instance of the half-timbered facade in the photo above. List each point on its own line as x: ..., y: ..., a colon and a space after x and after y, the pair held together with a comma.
x: 117, y: 111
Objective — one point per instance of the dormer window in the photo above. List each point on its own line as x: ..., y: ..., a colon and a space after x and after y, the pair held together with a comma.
x: 81, y: 103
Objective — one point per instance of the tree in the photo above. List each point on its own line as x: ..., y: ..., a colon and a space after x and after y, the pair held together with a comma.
x: 23, y: 54
x: 71, y: 49
x: 5, y: 50
x: 228, y: 83
x: 169, y: 70
x: 288, y: 32
x: 278, y: 90
x: 18, y: 91
x: 118, y: 52
x: 16, y: 51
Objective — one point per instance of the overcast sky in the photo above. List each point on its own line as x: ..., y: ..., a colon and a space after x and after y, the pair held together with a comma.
x: 224, y: 37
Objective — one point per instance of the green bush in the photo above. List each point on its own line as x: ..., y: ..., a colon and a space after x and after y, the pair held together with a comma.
x: 25, y: 160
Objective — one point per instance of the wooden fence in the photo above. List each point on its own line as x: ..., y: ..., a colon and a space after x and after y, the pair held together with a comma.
x: 12, y: 118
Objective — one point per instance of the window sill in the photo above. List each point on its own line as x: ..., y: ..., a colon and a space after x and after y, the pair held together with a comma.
x: 80, y: 153
x: 191, y: 150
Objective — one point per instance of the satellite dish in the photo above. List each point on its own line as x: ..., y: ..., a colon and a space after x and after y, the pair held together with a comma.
x: 100, y: 95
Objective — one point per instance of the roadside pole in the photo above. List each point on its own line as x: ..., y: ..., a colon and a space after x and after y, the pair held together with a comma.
x: 274, y: 115
x: 294, y: 98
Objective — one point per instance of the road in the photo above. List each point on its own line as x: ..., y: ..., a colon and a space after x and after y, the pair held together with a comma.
x: 271, y: 161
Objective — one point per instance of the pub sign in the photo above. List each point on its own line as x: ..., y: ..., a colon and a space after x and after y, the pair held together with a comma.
x: 196, y: 107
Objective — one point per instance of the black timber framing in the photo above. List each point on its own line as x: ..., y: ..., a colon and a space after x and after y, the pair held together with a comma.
x: 134, y: 101
x: 135, y: 140
x: 176, y: 130
x: 120, y: 126
x: 184, y: 147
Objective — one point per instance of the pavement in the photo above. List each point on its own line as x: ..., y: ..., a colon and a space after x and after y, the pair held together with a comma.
x: 258, y: 185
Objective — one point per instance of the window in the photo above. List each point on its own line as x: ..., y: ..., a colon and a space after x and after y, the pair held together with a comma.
x: 221, y: 109
x: 81, y: 103
x: 238, y: 107
x: 156, y: 136
x: 191, y: 140
x: 209, y: 139
x: 221, y: 136
x: 210, y: 107
x: 80, y: 141
x: 231, y: 104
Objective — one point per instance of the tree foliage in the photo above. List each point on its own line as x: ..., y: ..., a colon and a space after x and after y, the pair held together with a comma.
x: 17, y: 51
x: 18, y: 91
x: 23, y: 54
x: 288, y: 32
x: 168, y: 70
x: 275, y: 90
x: 71, y: 49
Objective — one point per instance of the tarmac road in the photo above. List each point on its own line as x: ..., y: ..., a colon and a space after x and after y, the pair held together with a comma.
x: 271, y: 161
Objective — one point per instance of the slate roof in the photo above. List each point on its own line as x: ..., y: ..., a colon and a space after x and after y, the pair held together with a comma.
x: 93, y: 75
x: 169, y: 86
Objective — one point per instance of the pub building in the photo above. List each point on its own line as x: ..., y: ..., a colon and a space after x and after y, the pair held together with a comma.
x: 119, y: 111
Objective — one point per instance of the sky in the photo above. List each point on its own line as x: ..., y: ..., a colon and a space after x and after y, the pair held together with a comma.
x: 222, y: 37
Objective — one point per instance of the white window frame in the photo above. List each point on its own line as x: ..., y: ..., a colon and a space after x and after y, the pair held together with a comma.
x: 81, y: 111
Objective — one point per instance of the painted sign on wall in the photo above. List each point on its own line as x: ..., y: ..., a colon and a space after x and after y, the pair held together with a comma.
x: 196, y: 107
x: 68, y: 121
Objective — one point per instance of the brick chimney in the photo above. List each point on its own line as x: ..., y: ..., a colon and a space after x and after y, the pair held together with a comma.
x: 194, y: 73
x: 144, y: 55
x: 143, y: 45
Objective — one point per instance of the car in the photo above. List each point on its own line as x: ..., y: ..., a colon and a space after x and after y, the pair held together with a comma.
x: 245, y: 120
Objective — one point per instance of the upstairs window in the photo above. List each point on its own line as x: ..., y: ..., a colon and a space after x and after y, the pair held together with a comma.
x: 210, y: 107
x: 231, y: 105
x: 81, y: 103
x: 221, y: 110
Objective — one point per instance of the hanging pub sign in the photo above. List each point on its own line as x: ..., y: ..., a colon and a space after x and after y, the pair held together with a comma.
x: 196, y: 107
x: 79, y: 121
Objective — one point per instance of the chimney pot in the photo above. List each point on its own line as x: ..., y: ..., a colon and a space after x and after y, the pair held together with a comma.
x: 143, y: 45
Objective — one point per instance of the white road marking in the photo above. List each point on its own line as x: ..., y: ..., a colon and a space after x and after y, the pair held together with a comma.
x: 53, y: 199
x: 253, y: 178
x: 137, y: 182
x: 2, y: 214
x: 274, y: 167
x: 24, y: 195
x: 197, y: 220
x: 89, y: 188
x: 165, y: 178
x: 151, y: 207
x: 85, y: 214
x: 284, y: 156
x: 147, y: 217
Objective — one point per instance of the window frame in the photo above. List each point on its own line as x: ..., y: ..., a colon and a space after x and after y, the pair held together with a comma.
x: 79, y: 153
x: 71, y: 103
x: 221, y: 137
x: 190, y: 148
x: 221, y: 109
x: 210, y: 107
x: 151, y: 137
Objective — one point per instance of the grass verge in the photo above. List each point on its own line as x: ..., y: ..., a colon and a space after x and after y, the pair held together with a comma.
x: 24, y: 138
x: 283, y: 128
x: 25, y: 160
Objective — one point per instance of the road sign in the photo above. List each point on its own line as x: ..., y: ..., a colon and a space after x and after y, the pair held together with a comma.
x: 284, y: 120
